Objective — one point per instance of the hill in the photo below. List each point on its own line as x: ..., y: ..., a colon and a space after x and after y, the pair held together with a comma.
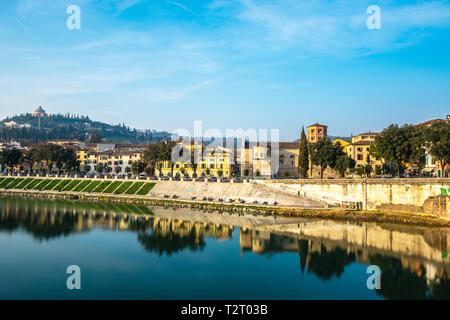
x: 40, y: 127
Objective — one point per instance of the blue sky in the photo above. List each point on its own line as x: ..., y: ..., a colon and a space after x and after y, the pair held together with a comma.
x: 230, y: 63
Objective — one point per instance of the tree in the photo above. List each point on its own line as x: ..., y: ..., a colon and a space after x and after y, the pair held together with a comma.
x: 303, y: 156
x: 117, y: 169
x: 258, y: 173
x: 220, y: 173
x: 438, y: 143
x: 399, y: 145
x: 138, y: 167
x: 359, y: 170
x: 10, y: 158
x: 324, y: 153
x: 246, y: 172
x: 343, y: 163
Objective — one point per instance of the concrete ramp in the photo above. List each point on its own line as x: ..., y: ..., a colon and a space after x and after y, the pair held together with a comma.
x: 246, y: 191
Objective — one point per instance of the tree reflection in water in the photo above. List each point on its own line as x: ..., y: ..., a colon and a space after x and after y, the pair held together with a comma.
x: 403, y: 276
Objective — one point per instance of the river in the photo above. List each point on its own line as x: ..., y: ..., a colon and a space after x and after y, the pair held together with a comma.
x: 137, y: 252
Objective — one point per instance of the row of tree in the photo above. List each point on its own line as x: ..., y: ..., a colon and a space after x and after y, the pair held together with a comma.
x: 398, y: 145
x: 395, y: 146
x: 40, y: 157
x: 323, y: 154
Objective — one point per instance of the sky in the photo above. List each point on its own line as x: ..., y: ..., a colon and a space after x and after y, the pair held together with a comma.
x: 163, y: 64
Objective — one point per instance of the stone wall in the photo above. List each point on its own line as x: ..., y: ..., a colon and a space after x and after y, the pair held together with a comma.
x: 368, y: 193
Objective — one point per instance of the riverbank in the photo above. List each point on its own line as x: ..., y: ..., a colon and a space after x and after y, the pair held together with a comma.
x: 329, y: 213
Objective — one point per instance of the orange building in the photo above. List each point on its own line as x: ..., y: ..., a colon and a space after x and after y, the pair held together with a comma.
x: 316, y: 131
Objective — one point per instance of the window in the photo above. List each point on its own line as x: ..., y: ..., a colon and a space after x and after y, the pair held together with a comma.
x: 211, y: 166
x: 360, y: 157
x: 359, y: 149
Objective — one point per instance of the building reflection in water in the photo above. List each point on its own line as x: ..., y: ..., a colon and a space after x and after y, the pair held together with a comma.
x: 413, y: 261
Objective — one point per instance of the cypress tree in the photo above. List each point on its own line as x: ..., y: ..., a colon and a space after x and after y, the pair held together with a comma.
x: 303, y: 156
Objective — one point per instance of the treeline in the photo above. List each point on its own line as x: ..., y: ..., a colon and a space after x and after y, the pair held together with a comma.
x: 395, y: 147
x: 41, y: 157
x: 73, y: 127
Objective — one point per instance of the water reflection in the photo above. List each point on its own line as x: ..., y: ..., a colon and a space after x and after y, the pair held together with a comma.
x: 413, y: 261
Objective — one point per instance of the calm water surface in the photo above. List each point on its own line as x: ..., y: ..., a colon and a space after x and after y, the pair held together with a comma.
x: 136, y: 252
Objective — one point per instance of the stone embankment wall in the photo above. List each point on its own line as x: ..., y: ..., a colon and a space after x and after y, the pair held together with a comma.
x: 371, y: 194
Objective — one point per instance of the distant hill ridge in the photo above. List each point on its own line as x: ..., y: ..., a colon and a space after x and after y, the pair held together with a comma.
x: 40, y: 126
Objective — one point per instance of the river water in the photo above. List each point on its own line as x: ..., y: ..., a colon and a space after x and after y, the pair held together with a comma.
x: 137, y: 252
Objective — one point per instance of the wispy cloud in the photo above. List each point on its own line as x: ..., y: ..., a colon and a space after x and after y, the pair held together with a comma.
x: 180, y: 5
x: 338, y: 27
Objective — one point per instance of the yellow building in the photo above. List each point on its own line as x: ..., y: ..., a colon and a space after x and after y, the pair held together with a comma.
x: 215, y: 162
x: 110, y: 161
x: 316, y: 132
x: 344, y: 144
x: 358, y: 150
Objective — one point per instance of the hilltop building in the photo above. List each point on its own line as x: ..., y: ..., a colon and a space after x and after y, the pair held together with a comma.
x: 39, y: 112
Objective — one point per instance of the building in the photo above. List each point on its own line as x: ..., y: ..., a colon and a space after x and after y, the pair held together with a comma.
x: 344, y: 144
x: 288, y: 154
x: 39, y: 112
x: 316, y: 132
x: 213, y: 161
x: 433, y: 167
x: 359, y: 149
x: 108, y: 162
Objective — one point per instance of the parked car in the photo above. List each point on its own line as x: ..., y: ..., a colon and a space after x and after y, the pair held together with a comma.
x: 142, y: 176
